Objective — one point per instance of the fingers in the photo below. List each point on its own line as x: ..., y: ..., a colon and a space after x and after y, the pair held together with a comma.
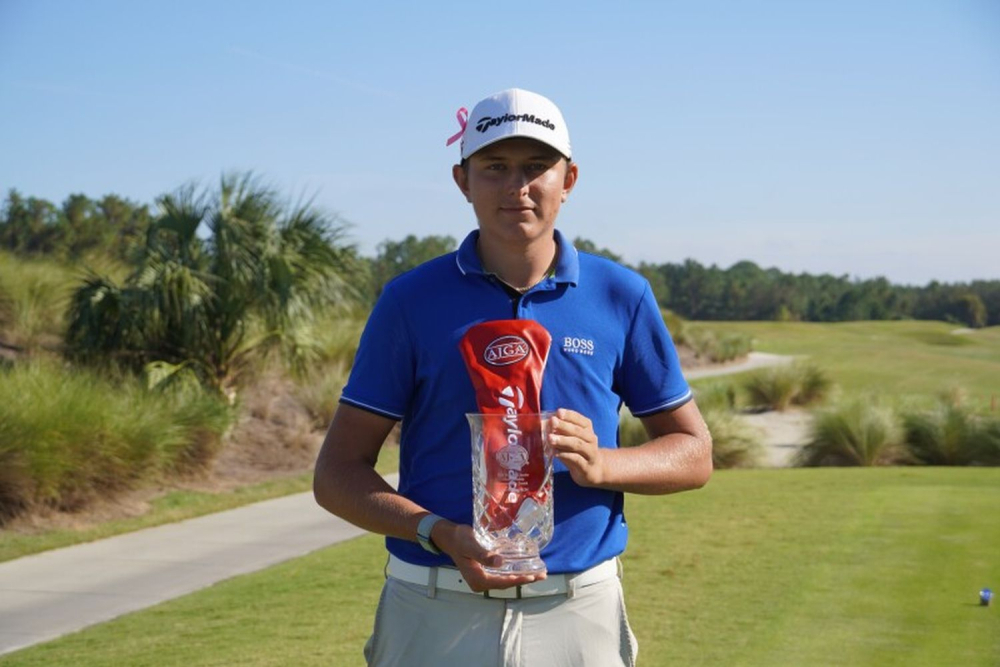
x: 480, y: 580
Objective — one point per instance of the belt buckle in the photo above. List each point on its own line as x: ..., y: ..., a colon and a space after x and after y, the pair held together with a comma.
x: 517, y: 591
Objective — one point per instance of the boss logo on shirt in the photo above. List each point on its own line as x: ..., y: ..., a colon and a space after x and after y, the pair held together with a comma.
x: 573, y: 345
x: 506, y: 350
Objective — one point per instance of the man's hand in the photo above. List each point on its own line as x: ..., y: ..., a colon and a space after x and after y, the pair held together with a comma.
x: 459, y: 542
x: 575, y: 444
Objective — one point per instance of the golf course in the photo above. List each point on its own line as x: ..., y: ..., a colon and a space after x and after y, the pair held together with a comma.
x: 819, y: 566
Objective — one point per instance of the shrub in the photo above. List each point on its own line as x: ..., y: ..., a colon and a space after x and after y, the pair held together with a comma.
x: 773, y: 388
x: 719, y: 395
x: 69, y: 436
x: 716, y: 347
x: 631, y: 432
x: 814, y: 384
x: 859, y: 433
x: 319, y: 391
x: 732, y: 446
x: 952, y: 435
x: 779, y: 387
x: 33, y: 299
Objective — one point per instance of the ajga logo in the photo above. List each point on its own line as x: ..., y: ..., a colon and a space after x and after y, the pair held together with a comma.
x: 506, y: 350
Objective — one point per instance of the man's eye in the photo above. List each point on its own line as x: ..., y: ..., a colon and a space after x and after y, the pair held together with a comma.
x: 495, y: 166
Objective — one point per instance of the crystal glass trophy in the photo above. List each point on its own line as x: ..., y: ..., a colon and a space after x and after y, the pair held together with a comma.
x: 512, y: 487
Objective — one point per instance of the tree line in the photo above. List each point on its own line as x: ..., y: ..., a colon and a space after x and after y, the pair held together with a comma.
x: 117, y: 227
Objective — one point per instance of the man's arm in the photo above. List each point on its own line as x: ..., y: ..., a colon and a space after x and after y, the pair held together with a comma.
x: 346, y: 484
x: 678, y: 456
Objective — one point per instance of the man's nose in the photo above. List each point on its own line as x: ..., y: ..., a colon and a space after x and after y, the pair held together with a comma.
x: 518, y: 180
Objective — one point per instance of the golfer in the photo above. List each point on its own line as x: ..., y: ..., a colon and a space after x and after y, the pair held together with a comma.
x: 609, y: 347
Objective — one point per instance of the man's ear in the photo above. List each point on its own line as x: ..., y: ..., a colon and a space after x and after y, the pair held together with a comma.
x: 461, y: 177
x: 569, y: 182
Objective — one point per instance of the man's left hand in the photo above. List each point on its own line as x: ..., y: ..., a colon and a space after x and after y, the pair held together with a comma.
x: 575, y: 443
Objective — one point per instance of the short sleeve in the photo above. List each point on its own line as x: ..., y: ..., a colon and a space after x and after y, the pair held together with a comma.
x: 650, y: 378
x: 381, y: 379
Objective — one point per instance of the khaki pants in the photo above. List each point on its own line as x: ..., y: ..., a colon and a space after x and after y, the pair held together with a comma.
x: 413, y: 629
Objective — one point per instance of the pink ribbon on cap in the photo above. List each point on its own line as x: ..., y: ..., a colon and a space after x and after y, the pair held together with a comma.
x: 462, y: 115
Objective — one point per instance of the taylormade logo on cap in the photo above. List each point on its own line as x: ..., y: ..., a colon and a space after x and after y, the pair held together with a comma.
x: 515, y: 113
x: 486, y: 122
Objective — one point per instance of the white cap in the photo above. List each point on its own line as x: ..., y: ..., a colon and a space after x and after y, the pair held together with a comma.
x: 515, y: 113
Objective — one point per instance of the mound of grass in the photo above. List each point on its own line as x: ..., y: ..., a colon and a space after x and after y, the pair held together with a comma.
x: 858, y: 433
x: 33, y: 299
x: 779, y: 387
x: 69, y: 436
x: 318, y: 389
x: 732, y: 445
x: 952, y: 435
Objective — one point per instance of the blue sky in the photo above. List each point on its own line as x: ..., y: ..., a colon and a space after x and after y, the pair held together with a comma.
x: 844, y: 137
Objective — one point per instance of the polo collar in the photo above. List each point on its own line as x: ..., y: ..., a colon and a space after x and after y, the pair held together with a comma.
x: 567, y: 261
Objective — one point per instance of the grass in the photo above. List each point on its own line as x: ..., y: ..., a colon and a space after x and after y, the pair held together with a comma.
x: 34, y: 295
x: 68, y: 436
x: 910, y: 360
x: 855, y: 567
x: 33, y: 299
x: 171, y: 506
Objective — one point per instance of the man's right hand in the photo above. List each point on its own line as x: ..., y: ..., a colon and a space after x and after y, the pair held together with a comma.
x: 459, y: 542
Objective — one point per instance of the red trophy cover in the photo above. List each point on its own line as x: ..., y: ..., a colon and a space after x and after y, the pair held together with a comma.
x: 506, y: 360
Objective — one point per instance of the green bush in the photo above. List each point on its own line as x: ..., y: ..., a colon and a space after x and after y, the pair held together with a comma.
x: 951, y: 434
x: 859, y: 433
x: 70, y: 436
x: 779, y: 387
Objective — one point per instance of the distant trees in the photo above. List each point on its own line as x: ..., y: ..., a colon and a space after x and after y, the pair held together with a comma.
x: 396, y: 257
x: 744, y: 291
x: 119, y: 228
x: 32, y: 226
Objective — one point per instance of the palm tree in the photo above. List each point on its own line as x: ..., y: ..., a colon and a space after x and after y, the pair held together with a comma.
x: 207, y: 307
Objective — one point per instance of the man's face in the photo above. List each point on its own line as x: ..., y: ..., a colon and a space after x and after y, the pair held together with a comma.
x: 516, y: 187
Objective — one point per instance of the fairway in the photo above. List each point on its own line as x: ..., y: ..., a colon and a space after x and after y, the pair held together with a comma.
x: 904, y: 359
x: 762, y: 567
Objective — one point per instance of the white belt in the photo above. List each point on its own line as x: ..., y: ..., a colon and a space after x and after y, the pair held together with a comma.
x: 450, y: 579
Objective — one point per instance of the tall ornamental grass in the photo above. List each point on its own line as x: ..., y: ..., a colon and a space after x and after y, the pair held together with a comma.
x: 33, y: 299
x: 951, y: 434
x: 859, y: 433
x: 732, y: 445
x: 779, y: 387
x: 68, y: 437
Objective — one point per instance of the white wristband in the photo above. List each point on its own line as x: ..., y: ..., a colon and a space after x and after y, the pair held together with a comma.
x: 424, y: 529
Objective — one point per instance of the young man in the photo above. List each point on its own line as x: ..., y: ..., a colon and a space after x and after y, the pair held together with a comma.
x: 439, y: 606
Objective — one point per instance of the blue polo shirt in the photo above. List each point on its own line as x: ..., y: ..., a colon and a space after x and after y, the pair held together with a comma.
x: 609, y: 347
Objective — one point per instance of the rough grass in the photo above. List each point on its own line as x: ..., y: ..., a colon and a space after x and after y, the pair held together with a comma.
x: 68, y: 436
x: 860, y: 567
